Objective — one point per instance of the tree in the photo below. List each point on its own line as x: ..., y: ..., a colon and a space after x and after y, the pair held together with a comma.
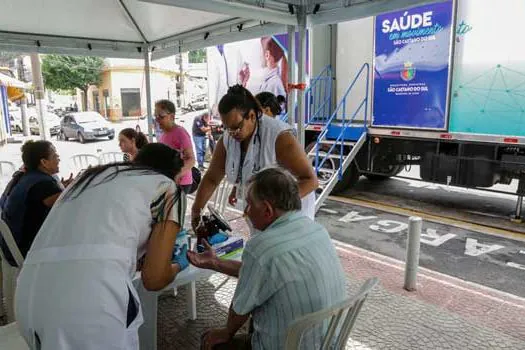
x: 197, y: 56
x: 70, y: 72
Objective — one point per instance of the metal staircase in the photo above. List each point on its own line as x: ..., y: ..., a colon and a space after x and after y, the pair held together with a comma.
x: 318, y: 96
x: 340, y: 139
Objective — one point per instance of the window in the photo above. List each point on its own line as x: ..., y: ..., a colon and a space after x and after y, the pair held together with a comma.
x: 130, y: 102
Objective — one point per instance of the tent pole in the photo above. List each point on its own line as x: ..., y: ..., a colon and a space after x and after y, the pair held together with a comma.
x: 291, y: 100
x: 149, y: 112
x: 301, y: 16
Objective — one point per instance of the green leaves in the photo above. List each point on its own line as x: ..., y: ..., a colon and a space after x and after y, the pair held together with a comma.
x: 70, y: 72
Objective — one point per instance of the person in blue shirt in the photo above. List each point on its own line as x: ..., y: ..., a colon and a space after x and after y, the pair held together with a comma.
x: 29, y: 196
x: 201, y: 131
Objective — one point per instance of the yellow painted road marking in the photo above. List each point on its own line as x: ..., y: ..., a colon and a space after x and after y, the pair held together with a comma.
x: 489, y: 230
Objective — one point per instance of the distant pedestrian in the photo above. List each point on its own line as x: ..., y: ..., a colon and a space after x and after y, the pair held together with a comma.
x: 201, y: 131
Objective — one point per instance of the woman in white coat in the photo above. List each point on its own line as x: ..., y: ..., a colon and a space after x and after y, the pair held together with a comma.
x: 75, y: 289
x: 251, y: 142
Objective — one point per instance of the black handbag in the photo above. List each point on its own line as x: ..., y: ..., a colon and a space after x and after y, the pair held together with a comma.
x: 196, y: 176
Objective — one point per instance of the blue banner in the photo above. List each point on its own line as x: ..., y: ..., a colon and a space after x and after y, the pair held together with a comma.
x: 411, y: 67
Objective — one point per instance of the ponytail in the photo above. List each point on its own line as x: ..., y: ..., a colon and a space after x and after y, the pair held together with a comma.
x: 238, y: 97
x: 141, y: 140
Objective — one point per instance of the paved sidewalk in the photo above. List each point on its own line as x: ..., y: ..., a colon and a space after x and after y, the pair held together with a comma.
x: 445, y: 313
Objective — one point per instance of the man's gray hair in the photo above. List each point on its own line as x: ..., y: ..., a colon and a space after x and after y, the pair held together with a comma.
x: 278, y: 187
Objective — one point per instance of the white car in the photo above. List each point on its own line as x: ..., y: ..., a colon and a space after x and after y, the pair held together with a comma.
x: 15, y: 119
x: 52, y: 122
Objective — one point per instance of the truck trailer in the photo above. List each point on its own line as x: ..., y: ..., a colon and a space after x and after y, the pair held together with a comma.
x: 440, y: 86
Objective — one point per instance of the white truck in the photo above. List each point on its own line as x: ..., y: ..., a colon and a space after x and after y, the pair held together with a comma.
x: 441, y: 86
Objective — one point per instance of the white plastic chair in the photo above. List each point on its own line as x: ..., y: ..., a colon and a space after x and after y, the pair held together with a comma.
x: 220, y: 201
x: 83, y: 161
x: 111, y: 157
x: 9, y: 273
x: 342, y: 319
x: 6, y: 168
x: 10, y: 338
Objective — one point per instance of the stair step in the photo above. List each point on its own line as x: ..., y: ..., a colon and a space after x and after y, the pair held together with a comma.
x: 329, y: 171
x: 324, y: 155
x: 331, y: 142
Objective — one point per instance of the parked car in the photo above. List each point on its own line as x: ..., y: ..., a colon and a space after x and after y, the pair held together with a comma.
x: 85, y: 126
x: 15, y: 121
x: 52, y: 122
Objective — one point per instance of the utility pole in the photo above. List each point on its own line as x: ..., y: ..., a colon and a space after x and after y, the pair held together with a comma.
x: 182, y: 96
x: 38, y: 84
x: 23, y: 101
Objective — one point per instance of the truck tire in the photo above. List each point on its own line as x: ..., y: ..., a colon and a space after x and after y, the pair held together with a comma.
x: 393, y: 171
x: 330, y: 164
x: 349, y: 180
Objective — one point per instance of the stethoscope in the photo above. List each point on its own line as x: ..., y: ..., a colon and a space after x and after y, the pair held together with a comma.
x: 256, y: 165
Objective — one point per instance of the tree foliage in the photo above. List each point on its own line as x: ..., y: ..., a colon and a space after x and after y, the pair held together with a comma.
x: 70, y: 72
x: 197, y: 56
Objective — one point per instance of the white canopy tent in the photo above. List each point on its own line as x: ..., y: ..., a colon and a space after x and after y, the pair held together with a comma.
x: 160, y: 28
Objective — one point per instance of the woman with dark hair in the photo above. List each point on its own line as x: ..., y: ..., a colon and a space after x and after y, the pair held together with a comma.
x: 251, y: 142
x: 29, y: 196
x: 130, y: 142
x: 75, y: 289
x: 269, y: 104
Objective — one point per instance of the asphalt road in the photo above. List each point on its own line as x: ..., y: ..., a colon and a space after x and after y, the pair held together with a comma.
x: 493, y: 261
x: 470, y: 205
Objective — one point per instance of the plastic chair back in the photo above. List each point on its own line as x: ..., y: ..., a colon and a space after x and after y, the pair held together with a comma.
x: 6, y: 168
x: 83, y: 161
x: 342, y: 318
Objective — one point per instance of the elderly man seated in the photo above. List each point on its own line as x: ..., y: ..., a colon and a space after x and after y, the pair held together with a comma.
x: 289, y: 268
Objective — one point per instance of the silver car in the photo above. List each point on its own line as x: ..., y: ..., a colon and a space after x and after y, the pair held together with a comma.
x: 85, y: 126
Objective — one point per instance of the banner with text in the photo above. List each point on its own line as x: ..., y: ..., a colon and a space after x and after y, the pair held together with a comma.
x: 411, y: 67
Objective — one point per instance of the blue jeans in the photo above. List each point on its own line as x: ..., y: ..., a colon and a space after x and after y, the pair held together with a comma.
x: 200, y: 147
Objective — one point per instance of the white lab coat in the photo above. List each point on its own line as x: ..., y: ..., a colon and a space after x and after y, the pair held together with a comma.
x: 74, y: 289
x: 272, y: 82
x: 260, y: 154
x: 223, y: 71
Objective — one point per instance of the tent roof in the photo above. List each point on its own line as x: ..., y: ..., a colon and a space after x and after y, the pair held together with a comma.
x: 121, y: 28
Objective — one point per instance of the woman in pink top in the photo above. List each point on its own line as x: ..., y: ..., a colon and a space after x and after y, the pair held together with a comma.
x: 176, y: 137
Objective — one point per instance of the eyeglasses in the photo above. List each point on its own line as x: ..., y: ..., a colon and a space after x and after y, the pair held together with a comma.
x: 237, y: 129
x: 239, y: 126
x: 160, y: 116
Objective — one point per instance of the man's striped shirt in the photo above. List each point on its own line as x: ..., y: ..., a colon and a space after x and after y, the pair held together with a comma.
x: 288, y: 270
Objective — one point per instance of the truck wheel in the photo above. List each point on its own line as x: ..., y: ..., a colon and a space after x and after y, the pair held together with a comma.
x: 329, y: 165
x: 392, y: 171
x: 349, y: 180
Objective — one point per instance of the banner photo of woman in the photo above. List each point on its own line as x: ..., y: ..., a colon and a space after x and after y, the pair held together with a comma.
x: 260, y: 65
